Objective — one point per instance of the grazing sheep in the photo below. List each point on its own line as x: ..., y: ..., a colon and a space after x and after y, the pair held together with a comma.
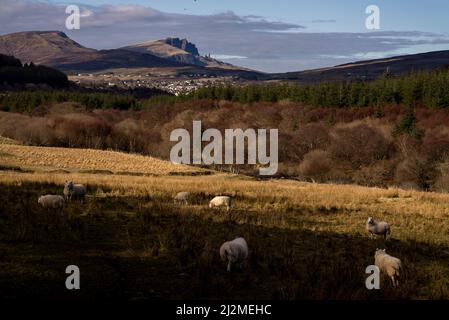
x: 388, y: 264
x: 374, y: 227
x: 234, y: 252
x: 51, y: 201
x: 221, y: 201
x: 182, y: 197
x: 76, y: 191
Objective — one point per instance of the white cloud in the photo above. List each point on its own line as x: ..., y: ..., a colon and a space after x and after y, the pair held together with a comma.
x: 227, y: 57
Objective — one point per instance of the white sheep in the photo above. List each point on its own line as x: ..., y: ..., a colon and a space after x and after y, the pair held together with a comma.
x: 388, y: 264
x: 51, y: 201
x: 220, y: 201
x: 76, y: 191
x: 374, y: 227
x: 234, y: 252
x: 182, y: 197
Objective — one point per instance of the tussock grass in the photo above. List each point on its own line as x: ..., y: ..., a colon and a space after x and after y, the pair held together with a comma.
x: 306, y: 240
x: 4, y: 140
x: 131, y: 241
x: 86, y: 159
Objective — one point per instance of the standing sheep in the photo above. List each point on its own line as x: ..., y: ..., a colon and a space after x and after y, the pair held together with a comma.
x: 182, y: 197
x: 51, y: 201
x: 234, y: 252
x: 220, y: 201
x: 374, y: 227
x: 76, y: 191
x: 388, y: 264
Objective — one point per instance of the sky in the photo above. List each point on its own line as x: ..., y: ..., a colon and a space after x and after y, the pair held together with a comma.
x: 271, y: 36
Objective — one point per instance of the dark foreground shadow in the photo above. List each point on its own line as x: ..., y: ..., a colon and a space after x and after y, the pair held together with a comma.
x: 133, y: 252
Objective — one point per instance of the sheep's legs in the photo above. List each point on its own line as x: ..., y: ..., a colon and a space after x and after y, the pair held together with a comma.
x: 395, y: 281
x: 229, y: 266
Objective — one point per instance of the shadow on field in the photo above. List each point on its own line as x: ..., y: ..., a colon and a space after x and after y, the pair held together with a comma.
x: 140, y: 248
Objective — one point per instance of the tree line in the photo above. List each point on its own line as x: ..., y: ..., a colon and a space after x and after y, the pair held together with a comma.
x: 27, y: 101
x: 12, y: 72
x: 416, y: 89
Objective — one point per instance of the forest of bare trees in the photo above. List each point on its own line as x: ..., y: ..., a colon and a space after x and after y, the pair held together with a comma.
x: 404, y: 147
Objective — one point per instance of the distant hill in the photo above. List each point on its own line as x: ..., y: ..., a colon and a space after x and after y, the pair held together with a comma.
x: 180, y: 50
x: 56, y: 49
x: 47, y: 47
x: 371, y: 69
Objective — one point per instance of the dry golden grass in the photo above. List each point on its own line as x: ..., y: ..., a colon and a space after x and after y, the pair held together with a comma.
x: 291, y: 193
x: 352, y: 203
x: 346, y: 206
x: 47, y: 158
x: 4, y: 140
x: 299, y: 233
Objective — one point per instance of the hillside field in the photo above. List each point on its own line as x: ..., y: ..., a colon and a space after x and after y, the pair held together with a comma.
x: 130, y: 240
x: 49, y: 159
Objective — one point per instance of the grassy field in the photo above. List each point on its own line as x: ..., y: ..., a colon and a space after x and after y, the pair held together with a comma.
x: 131, y: 241
x: 85, y: 160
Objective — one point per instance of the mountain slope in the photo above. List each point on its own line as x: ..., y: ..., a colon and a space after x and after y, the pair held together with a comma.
x: 180, y: 50
x: 55, y: 49
x: 371, y: 69
x: 164, y: 50
x: 42, y: 47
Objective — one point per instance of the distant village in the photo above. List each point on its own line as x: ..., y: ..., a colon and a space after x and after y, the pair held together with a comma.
x: 173, y: 84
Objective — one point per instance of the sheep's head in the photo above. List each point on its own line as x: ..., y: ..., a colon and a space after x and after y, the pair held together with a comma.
x: 69, y: 184
x: 210, y: 204
x: 379, y: 251
x: 370, y: 221
x: 39, y: 200
x: 223, y: 253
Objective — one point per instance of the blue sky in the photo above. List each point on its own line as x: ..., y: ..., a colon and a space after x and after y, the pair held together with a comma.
x: 399, y: 15
x: 272, y: 36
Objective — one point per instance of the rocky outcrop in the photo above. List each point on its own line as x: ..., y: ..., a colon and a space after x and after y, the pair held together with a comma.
x: 183, y: 44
